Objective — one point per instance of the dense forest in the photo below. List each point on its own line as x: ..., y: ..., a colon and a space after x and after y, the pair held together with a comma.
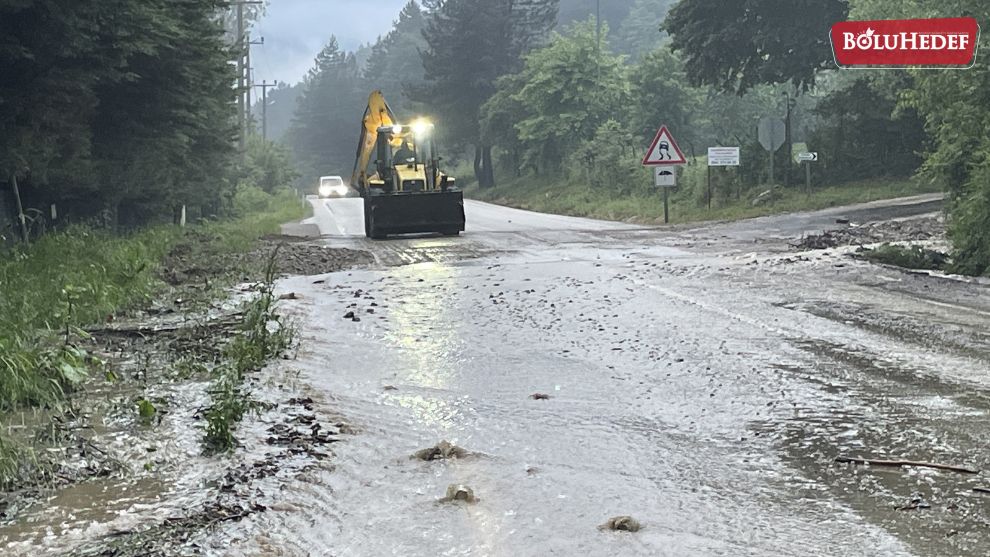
x: 527, y: 87
x: 545, y: 88
x: 119, y: 113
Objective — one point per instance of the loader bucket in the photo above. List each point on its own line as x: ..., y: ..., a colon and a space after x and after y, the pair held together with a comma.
x: 408, y: 213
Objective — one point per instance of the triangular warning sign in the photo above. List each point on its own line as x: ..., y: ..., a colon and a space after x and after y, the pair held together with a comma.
x: 664, y: 150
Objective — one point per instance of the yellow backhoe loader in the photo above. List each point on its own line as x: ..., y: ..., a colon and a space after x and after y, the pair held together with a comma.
x: 397, y: 172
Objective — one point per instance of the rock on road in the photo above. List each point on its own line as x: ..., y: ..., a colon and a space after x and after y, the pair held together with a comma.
x: 701, y: 380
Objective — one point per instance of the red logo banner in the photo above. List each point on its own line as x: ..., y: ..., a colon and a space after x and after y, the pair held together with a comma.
x: 927, y: 43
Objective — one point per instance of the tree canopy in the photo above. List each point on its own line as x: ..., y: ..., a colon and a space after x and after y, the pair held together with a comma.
x: 560, y: 98
x: 733, y: 46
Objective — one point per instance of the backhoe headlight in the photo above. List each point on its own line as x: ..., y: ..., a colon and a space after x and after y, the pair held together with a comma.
x: 420, y: 127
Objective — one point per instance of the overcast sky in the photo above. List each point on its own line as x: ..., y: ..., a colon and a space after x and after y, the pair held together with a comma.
x: 296, y: 30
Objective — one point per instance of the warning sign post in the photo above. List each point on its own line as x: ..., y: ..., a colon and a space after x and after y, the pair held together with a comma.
x: 664, y: 152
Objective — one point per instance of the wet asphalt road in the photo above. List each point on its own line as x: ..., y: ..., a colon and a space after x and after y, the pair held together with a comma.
x: 701, y: 380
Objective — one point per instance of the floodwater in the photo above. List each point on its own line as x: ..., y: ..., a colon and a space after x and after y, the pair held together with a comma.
x: 698, y: 380
x: 696, y: 383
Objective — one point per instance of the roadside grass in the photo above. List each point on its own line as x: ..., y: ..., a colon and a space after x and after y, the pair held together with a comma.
x: 687, y: 203
x: 18, y: 460
x: 81, y: 276
x: 62, y: 282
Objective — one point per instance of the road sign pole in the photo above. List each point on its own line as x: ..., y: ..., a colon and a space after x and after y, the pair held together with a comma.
x: 772, y: 134
x: 666, y: 205
x: 664, y: 153
x: 709, y: 188
x: 771, y: 177
x: 807, y: 177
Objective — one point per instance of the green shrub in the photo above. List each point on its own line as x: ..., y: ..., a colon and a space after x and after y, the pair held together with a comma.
x: 909, y: 257
x: 263, y: 335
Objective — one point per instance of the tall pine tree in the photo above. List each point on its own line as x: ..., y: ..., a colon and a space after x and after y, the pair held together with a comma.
x: 324, y: 130
x: 470, y: 44
x: 395, y: 66
x: 111, y: 105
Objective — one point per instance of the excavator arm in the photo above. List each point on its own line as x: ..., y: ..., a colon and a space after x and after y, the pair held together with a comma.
x: 378, y: 114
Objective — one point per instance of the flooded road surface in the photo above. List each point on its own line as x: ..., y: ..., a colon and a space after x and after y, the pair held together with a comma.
x: 695, y: 381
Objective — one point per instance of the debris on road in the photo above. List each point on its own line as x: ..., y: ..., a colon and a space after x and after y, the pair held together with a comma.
x: 621, y: 524
x: 539, y: 396
x: 191, y: 262
x: 350, y: 315
x: 900, y: 463
x: 459, y: 492
x: 911, y: 230
x: 440, y: 451
x: 916, y: 502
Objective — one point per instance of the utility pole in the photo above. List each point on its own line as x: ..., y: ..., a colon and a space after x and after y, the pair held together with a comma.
x: 250, y: 78
x: 598, y: 23
x: 264, y: 106
x: 242, y: 49
x: 242, y: 139
x: 598, y: 39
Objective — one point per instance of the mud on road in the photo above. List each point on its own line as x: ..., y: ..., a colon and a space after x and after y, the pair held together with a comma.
x: 698, y: 381
x: 587, y: 388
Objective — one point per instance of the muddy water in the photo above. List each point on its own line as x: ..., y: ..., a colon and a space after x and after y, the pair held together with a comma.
x: 705, y: 395
x: 704, y: 390
x: 157, y: 471
x: 629, y: 428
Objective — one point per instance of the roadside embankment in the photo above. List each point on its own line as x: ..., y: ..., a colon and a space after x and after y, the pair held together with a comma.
x: 643, y: 205
x: 126, y: 364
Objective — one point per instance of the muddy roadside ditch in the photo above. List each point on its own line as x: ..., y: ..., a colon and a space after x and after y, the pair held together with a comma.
x: 121, y: 468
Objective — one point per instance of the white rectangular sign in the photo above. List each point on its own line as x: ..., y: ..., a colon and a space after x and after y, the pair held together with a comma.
x: 665, y: 177
x: 723, y: 156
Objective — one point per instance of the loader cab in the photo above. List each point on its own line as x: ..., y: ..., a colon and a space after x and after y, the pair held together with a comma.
x: 407, y: 161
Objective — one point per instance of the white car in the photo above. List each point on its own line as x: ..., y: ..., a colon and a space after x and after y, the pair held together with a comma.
x: 333, y: 186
